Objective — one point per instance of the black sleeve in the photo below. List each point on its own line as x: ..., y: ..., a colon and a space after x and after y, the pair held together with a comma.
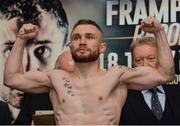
x: 31, y: 103
x: 5, y: 114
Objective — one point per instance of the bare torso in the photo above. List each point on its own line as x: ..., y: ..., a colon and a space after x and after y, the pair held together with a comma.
x: 96, y: 100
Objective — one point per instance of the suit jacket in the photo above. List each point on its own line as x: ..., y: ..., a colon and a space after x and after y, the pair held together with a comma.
x: 5, y: 114
x: 31, y: 103
x: 136, y: 111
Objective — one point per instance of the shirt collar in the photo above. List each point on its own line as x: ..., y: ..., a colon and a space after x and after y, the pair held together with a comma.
x: 160, y: 88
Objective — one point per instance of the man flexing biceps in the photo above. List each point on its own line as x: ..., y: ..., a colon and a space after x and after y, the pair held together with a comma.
x: 88, y: 95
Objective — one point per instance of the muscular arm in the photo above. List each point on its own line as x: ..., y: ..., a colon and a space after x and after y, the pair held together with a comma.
x: 140, y: 78
x: 146, y: 77
x: 165, y: 58
x: 14, y: 77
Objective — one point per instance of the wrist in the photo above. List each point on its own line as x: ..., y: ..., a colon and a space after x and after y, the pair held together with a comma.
x: 159, y: 30
x: 20, y: 38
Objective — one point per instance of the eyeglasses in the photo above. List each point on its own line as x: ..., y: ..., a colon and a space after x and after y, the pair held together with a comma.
x: 142, y: 60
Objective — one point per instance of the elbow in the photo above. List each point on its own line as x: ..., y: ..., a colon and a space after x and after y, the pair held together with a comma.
x: 7, y: 84
x: 171, y: 75
x: 168, y: 78
x: 8, y: 81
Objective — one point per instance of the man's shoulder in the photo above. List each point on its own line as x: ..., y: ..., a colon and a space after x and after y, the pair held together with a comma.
x: 172, y: 87
x: 57, y: 72
x: 2, y: 103
x: 117, y: 69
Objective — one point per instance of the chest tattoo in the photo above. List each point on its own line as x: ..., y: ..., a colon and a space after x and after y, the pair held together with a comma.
x: 68, y: 87
x: 172, y: 71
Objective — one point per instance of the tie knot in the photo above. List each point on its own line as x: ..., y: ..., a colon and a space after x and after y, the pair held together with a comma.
x: 154, y: 90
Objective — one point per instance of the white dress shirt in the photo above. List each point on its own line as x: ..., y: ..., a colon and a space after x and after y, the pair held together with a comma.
x: 161, y: 95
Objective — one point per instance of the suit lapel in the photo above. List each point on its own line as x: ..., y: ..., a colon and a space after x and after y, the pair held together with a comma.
x: 140, y: 107
x: 172, y: 97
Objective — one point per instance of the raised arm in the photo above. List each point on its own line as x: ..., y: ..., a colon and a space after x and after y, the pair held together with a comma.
x: 14, y: 77
x: 146, y: 77
x: 165, y: 58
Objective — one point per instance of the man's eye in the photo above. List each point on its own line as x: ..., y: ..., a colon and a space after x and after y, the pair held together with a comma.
x: 75, y: 37
x: 152, y: 59
x: 90, y: 37
x: 138, y: 60
x: 7, y: 51
x: 42, y: 52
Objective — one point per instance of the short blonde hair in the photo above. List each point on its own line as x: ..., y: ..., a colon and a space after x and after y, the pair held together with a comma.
x: 151, y: 41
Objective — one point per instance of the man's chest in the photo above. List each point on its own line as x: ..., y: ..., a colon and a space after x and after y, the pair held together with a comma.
x: 82, y: 91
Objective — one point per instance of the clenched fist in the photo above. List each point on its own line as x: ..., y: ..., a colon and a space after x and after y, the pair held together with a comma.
x: 28, y: 31
x: 151, y: 24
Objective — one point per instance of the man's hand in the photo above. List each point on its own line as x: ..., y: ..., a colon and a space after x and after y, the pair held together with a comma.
x: 15, y: 98
x: 28, y: 31
x: 151, y: 24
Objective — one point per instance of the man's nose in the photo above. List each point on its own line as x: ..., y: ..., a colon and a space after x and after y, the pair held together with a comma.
x: 145, y: 62
x: 82, y: 40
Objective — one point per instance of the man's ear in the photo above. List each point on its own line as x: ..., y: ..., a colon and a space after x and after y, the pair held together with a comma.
x: 102, y: 47
x: 70, y: 46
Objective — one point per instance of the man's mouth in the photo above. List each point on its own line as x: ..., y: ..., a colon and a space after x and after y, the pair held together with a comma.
x: 82, y: 50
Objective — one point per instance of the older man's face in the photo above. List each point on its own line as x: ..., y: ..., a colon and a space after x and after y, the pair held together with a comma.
x: 146, y: 55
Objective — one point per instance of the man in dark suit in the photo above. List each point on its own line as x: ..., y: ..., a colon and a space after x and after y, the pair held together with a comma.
x: 138, y: 108
x: 5, y: 114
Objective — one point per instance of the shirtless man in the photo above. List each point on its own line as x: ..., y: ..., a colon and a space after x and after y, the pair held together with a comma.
x: 88, y: 95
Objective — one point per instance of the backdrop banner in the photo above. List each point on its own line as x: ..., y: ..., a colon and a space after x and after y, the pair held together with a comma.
x: 119, y: 20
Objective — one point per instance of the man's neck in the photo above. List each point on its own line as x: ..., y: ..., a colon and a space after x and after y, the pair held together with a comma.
x: 85, y: 70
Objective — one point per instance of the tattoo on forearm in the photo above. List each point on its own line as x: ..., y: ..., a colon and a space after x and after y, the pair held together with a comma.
x: 68, y: 87
x: 131, y: 69
x: 171, y: 74
x: 172, y: 71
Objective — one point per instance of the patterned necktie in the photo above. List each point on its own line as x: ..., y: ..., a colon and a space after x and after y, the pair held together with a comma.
x: 155, y: 104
